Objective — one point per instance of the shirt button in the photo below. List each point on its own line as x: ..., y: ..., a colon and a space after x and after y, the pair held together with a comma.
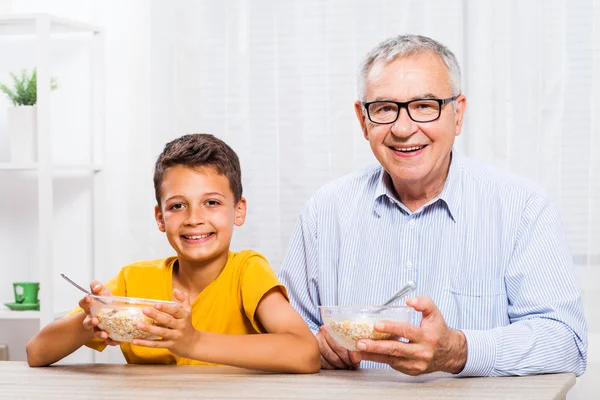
x: 411, y: 223
x: 409, y: 264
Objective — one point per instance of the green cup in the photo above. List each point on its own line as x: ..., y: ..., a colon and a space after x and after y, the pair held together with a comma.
x: 26, y: 292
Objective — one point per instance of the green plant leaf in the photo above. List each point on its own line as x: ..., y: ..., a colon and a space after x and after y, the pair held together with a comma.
x: 12, y: 96
x: 24, y: 88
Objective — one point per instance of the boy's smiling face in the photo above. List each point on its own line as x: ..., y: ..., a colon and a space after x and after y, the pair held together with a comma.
x: 198, y: 212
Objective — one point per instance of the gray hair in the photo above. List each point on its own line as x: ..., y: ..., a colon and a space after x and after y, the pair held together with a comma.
x: 407, y: 45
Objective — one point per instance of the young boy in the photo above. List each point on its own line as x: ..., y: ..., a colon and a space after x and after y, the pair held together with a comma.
x: 225, y: 298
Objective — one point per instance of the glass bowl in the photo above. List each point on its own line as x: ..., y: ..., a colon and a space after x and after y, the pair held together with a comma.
x: 118, y: 316
x: 348, y: 324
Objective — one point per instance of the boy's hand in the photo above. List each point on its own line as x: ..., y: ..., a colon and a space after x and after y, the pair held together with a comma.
x: 176, y: 329
x: 92, y: 322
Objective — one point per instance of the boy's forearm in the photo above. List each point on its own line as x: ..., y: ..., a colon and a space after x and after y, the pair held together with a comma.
x: 57, y: 340
x: 281, y: 352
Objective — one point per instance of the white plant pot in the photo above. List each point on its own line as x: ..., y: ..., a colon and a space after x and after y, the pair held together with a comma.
x: 22, y: 133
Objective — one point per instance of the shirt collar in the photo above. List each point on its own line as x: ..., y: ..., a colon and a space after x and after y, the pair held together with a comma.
x: 382, y: 190
x: 450, y: 194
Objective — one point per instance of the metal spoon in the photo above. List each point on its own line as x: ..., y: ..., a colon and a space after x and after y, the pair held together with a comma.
x: 81, y: 288
x: 406, y: 289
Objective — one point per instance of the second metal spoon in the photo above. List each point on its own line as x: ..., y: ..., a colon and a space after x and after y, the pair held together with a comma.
x: 406, y: 289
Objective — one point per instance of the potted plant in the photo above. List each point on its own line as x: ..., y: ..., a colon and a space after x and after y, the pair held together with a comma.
x: 22, y: 117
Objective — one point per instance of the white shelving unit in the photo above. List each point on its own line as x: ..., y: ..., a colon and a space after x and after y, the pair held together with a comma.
x: 44, y: 27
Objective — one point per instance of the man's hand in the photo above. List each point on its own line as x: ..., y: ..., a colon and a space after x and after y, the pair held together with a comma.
x: 92, y: 322
x: 333, y: 356
x: 175, y: 327
x: 431, y: 347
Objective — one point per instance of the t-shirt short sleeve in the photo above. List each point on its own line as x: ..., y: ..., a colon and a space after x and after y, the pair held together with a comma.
x: 257, y: 279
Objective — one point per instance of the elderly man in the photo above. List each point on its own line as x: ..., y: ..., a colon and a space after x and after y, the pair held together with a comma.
x: 496, y: 288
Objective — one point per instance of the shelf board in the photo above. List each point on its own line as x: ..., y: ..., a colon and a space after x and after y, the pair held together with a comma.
x: 25, y: 24
x: 18, y: 166
x: 76, y: 167
x: 54, y: 168
x: 5, y: 314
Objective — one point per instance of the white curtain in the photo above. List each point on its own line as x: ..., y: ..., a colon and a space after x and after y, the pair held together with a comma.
x: 532, y: 76
x: 276, y: 80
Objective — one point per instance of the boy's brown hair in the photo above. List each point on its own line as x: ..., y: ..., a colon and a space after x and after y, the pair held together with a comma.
x: 200, y: 150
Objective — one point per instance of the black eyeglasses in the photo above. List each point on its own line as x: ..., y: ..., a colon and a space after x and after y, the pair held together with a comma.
x: 419, y: 110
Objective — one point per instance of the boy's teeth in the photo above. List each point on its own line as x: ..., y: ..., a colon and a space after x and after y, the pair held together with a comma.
x: 198, y: 237
x: 409, y: 148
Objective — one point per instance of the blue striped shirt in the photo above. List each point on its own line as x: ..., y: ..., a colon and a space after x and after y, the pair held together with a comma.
x: 490, y: 251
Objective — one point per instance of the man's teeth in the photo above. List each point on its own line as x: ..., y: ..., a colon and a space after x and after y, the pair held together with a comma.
x: 198, y: 237
x: 408, y: 149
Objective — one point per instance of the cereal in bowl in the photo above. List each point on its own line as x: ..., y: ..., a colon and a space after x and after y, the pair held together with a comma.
x: 121, y: 325
x: 349, y: 332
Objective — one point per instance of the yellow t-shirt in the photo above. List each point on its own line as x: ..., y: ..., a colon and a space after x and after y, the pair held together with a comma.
x: 227, y: 305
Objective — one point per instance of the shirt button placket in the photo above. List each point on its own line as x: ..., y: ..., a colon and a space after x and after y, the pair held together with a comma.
x: 408, y: 238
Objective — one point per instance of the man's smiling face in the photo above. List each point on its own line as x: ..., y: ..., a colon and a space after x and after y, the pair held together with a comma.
x: 410, y: 151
